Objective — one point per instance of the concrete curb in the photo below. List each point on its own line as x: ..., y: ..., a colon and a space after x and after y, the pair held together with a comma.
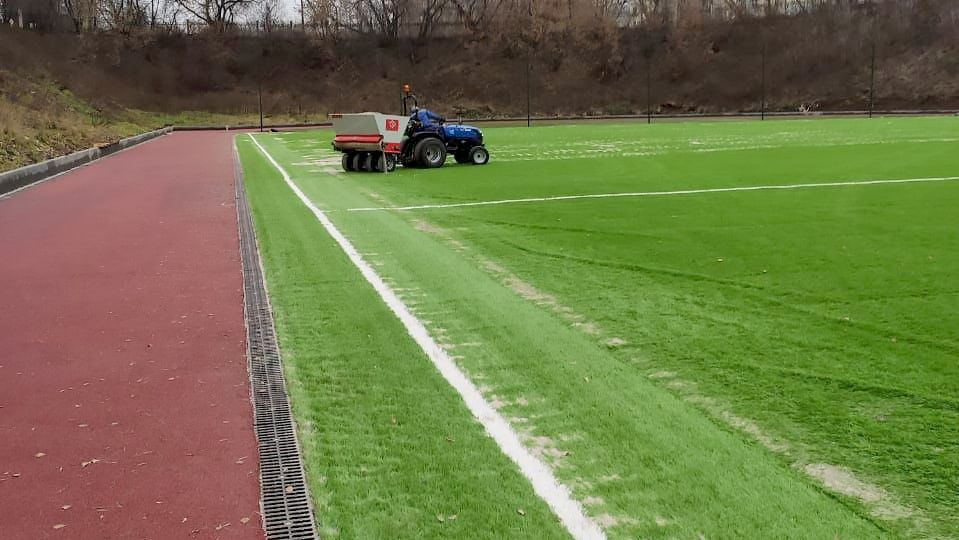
x: 31, y: 174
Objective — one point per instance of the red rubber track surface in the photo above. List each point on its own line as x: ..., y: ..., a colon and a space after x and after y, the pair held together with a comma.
x: 124, y: 393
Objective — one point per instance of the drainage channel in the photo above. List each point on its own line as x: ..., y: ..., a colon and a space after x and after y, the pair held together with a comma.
x: 284, y: 498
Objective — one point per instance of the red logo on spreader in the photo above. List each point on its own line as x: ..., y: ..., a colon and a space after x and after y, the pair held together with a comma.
x: 392, y: 125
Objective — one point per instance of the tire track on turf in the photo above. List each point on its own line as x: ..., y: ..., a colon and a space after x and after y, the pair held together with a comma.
x: 755, y: 292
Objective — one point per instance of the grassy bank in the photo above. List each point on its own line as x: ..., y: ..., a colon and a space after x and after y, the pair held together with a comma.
x: 40, y: 119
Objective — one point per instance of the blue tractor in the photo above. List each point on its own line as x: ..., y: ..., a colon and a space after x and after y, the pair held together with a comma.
x: 429, y: 139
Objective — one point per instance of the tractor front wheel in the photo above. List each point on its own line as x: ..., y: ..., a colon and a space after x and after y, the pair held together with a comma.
x: 430, y: 153
x: 479, y: 155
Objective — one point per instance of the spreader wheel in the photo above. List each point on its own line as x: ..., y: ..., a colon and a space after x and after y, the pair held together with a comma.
x: 479, y: 155
x: 347, y: 161
x: 376, y: 162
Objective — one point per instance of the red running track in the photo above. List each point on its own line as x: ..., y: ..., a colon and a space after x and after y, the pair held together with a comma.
x: 124, y: 394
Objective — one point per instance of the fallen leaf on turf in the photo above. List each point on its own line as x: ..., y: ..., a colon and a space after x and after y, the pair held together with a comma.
x: 393, y: 420
x: 452, y: 517
x: 521, y: 512
x: 244, y: 520
x: 440, y: 518
x: 59, y: 526
x: 39, y: 455
x: 66, y: 506
x: 223, y: 526
x: 289, y: 489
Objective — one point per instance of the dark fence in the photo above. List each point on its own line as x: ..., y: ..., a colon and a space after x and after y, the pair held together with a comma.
x: 849, y: 75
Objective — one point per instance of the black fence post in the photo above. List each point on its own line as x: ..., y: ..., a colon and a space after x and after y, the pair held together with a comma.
x: 649, y: 85
x: 529, y: 66
x: 259, y: 102
x: 762, y: 105
x: 529, y: 112
x: 872, y: 80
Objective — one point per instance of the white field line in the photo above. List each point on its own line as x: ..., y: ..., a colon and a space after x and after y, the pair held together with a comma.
x: 657, y: 193
x: 556, y: 495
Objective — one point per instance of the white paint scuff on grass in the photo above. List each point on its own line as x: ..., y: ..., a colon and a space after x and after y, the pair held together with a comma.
x: 660, y: 193
x: 556, y: 495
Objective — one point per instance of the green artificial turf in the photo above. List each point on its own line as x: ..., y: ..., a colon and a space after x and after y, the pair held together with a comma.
x: 738, y: 364
x: 390, y: 451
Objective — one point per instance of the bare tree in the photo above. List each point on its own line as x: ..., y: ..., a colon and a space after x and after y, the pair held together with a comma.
x: 122, y: 15
x: 385, y: 17
x: 83, y: 13
x: 217, y: 14
x: 430, y: 13
x: 268, y: 15
x: 324, y: 17
x: 476, y: 14
x: 156, y: 12
x: 614, y: 10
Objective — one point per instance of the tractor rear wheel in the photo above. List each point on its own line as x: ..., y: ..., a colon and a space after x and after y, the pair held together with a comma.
x: 479, y: 155
x: 430, y: 153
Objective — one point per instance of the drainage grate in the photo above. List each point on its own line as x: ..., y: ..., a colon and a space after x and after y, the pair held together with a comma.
x: 284, y: 498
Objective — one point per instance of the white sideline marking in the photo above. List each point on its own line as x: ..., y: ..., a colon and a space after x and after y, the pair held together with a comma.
x: 556, y: 495
x: 656, y: 193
